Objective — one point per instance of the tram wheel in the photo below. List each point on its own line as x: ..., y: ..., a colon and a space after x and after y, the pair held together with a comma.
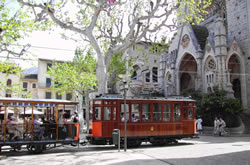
x: 35, y: 149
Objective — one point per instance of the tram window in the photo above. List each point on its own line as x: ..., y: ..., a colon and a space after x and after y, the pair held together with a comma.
x: 166, y: 112
x: 122, y: 112
x: 135, y: 113
x: 98, y: 102
x: 97, y: 113
x: 145, y: 112
x: 107, y: 102
x: 114, y: 102
x: 177, y: 112
x: 107, y: 113
x: 157, y: 112
x: 114, y: 113
x: 90, y: 109
x: 190, y: 113
x: 185, y: 114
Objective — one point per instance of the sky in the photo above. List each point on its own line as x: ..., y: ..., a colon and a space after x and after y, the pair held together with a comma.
x: 45, y: 45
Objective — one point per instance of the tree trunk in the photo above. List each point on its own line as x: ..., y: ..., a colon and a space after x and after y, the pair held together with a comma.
x: 80, y: 113
x: 101, y: 74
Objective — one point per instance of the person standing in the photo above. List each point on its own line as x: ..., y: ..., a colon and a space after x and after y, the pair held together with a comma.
x: 216, y: 126
x: 199, y: 125
x: 75, y: 118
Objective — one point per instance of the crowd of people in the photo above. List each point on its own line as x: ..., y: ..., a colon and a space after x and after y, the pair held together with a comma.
x: 219, y: 126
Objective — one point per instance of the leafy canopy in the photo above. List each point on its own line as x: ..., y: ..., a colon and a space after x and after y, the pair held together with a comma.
x: 76, y: 76
x: 16, y: 23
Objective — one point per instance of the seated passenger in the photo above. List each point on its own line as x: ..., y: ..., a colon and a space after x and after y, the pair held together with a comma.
x: 134, y: 118
x: 122, y: 117
x: 12, y: 128
x: 145, y: 117
x: 37, y: 128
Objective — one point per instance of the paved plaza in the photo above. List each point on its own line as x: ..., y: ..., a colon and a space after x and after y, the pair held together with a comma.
x: 207, y: 150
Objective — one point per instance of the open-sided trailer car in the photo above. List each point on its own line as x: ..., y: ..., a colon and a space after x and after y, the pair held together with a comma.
x: 56, y: 133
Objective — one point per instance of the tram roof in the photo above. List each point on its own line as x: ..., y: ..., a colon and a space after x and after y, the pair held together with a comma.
x: 36, y: 101
x: 172, y: 98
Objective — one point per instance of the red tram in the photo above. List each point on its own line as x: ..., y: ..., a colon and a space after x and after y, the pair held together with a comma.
x: 155, y: 120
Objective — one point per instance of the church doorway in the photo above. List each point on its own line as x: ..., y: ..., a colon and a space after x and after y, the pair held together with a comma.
x: 235, y: 78
x: 187, y: 73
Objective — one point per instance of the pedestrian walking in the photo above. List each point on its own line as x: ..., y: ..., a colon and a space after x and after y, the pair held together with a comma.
x: 222, y: 126
x: 199, y: 125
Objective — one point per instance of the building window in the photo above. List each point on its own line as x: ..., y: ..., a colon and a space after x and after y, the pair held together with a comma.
x: 147, y: 78
x: 34, y: 85
x: 134, y: 76
x: 49, y: 66
x: 48, y: 82
x: 9, y: 82
x: 68, y: 96
x: 58, y: 96
x: 48, y: 95
x: 8, y: 95
x: 57, y: 84
x: 155, y: 74
x: 25, y: 86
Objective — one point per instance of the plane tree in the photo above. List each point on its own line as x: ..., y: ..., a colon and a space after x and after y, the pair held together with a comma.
x: 112, y: 26
x: 77, y: 76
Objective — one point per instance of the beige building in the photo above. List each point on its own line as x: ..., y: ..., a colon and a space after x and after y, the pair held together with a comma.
x: 8, y: 80
x: 145, y: 76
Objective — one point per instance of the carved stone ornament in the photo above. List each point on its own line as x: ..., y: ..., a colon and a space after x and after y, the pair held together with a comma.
x: 211, y: 64
x: 234, y: 46
x: 185, y: 41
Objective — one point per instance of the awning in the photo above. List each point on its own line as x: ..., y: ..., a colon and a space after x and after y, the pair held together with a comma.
x: 8, y: 111
x: 29, y: 112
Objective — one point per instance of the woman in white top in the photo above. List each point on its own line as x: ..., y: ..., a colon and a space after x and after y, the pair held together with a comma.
x: 199, y: 125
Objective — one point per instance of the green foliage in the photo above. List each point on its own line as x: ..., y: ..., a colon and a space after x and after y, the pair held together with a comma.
x: 217, y: 104
x: 76, y: 76
x: 16, y: 22
x: 159, y: 48
x: 118, y: 65
x: 194, y: 12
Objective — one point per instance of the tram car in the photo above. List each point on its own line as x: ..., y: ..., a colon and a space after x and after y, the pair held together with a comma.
x: 155, y: 120
x: 22, y: 125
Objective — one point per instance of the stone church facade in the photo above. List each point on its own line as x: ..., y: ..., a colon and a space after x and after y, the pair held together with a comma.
x: 214, y: 53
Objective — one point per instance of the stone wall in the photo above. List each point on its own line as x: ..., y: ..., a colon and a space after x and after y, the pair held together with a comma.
x: 238, y: 15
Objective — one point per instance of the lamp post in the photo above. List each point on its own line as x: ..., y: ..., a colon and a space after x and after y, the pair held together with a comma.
x: 125, y: 85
